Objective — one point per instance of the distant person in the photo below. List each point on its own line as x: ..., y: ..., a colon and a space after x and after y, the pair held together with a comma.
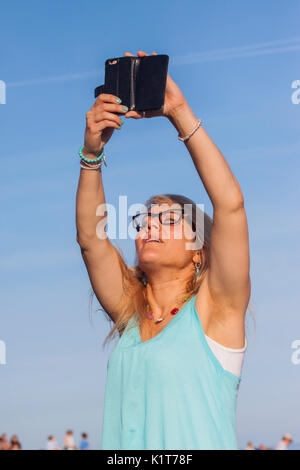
x: 4, y: 443
x: 250, y: 446
x: 15, y: 443
x: 263, y: 447
x: 52, y: 444
x: 84, y: 443
x: 284, y: 442
x: 69, y: 441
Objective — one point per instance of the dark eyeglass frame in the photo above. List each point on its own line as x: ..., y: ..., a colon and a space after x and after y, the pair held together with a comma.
x: 159, y: 215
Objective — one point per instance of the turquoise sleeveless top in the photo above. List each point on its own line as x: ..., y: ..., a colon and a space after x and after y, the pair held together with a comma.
x: 170, y: 392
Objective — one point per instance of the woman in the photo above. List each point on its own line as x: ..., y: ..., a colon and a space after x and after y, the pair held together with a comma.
x: 173, y: 377
x: 15, y: 443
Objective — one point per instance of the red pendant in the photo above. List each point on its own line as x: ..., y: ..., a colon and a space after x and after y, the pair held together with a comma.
x: 174, y: 311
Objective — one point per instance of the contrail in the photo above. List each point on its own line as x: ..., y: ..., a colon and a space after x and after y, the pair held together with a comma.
x: 58, y: 78
x: 252, y: 50
x: 263, y: 48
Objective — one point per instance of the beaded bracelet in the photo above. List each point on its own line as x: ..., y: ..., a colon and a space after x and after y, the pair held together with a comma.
x: 92, y: 160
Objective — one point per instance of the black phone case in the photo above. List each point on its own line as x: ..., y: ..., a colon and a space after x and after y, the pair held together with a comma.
x: 140, y: 82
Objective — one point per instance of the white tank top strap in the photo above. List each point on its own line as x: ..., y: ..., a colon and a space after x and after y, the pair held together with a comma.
x: 230, y: 359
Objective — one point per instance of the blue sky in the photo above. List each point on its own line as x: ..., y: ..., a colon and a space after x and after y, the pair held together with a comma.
x: 235, y: 63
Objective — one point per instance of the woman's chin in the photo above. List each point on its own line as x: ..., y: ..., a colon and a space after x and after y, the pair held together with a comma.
x: 148, y: 255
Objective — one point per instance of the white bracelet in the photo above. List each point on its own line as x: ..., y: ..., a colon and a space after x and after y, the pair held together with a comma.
x: 183, y: 139
x: 86, y: 166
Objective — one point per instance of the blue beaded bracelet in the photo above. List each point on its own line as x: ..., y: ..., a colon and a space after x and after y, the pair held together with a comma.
x: 88, y: 160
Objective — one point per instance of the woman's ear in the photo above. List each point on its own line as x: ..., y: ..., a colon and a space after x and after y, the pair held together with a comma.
x: 197, y: 258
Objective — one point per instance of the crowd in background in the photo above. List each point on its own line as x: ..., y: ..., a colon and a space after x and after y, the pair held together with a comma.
x: 70, y: 444
x: 51, y: 444
x: 283, y: 444
x: 13, y: 444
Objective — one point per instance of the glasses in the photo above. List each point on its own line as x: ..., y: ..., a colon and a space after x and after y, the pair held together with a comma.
x: 168, y: 217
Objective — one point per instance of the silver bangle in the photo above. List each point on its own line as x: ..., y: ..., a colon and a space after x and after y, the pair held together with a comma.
x: 96, y: 167
x: 88, y: 166
x: 183, y: 139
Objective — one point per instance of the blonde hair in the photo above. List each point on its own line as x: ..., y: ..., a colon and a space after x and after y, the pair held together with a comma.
x: 133, y: 302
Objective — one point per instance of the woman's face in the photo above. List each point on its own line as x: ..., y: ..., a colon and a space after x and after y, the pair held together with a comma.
x: 171, y: 250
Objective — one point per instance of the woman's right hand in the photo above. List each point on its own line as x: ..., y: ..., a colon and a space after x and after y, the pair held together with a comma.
x: 101, y: 120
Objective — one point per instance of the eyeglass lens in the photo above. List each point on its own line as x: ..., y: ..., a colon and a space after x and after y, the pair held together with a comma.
x: 170, y: 217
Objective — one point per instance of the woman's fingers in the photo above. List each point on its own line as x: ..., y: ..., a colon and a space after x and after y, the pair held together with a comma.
x: 139, y: 53
x: 142, y: 53
x: 105, y: 108
x: 133, y: 114
x: 107, y: 115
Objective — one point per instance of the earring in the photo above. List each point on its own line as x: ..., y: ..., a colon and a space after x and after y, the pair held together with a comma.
x: 197, y: 266
x: 144, y: 279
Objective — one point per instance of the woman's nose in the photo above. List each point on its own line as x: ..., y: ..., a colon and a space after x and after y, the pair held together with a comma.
x: 153, y: 223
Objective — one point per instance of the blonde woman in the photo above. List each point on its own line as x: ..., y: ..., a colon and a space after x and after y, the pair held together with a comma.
x: 173, y: 376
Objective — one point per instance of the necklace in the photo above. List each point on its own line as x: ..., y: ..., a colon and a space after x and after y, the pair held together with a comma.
x: 173, y: 312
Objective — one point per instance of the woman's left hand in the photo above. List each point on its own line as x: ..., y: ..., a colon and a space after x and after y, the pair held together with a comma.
x: 174, y: 98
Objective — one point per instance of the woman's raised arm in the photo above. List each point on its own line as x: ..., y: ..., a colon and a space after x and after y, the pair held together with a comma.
x: 228, y: 275
x: 99, y: 254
